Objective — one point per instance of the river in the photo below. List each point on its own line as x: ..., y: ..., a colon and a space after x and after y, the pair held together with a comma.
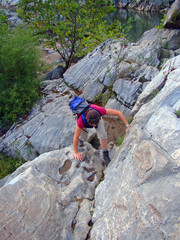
x: 142, y: 21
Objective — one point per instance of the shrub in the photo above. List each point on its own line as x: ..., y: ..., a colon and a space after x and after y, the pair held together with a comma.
x: 162, y: 22
x: 19, y: 67
x: 120, y: 140
x: 9, y: 165
x: 177, y: 112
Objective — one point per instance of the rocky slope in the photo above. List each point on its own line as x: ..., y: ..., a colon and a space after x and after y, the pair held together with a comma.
x: 173, y: 16
x: 52, y: 197
x: 112, y: 71
x: 144, y: 176
x: 121, y: 70
x: 137, y: 195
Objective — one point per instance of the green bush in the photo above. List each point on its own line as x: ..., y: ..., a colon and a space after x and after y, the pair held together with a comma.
x: 9, y: 165
x: 19, y: 67
x: 162, y: 22
x: 177, y: 113
x: 120, y: 140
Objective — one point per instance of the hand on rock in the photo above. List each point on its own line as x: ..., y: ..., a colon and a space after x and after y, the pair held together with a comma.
x: 78, y: 156
x: 127, y: 129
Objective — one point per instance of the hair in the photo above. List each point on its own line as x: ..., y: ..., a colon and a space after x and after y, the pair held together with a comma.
x: 92, y: 116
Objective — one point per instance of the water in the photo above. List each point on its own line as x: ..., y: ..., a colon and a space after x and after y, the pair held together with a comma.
x: 142, y: 21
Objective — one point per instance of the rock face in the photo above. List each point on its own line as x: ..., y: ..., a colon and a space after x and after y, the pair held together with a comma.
x: 144, y: 176
x: 143, y: 5
x: 51, y: 197
x: 173, y: 16
x: 137, y: 195
x: 50, y: 125
x: 122, y: 70
x: 157, y: 83
x: 54, y: 196
x: 115, y: 70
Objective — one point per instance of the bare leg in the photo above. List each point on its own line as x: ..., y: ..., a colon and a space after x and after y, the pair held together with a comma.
x: 103, y: 143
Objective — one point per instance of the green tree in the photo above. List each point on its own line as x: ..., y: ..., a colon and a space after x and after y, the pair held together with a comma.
x: 19, y: 66
x: 72, y: 27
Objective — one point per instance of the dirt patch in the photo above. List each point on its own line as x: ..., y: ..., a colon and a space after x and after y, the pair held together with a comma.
x: 50, y: 56
x: 65, y: 167
x: 114, y: 128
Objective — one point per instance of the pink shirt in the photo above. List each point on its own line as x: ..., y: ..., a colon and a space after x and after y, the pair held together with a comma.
x: 101, y: 110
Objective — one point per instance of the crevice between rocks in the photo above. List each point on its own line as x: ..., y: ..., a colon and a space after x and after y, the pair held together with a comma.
x: 74, y: 221
x: 10, y: 234
x: 151, y: 137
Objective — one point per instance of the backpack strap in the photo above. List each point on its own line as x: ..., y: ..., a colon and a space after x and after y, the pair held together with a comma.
x: 83, y: 116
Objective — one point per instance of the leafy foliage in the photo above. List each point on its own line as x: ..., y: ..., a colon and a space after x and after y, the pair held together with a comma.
x: 8, y: 165
x: 162, y: 22
x: 177, y: 112
x: 19, y: 66
x: 120, y: 140
x: 72, y: 27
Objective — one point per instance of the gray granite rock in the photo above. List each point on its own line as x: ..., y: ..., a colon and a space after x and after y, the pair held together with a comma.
x: 137, y: 195
x: 133, y: 64
x: 55, y: 73
x: 173, y: 16
x: 144, y: 176
x: 143, y: 5
x: 127, y: 91
x: 158, y: 82
x: 50, y: 197
x: 49, y: 126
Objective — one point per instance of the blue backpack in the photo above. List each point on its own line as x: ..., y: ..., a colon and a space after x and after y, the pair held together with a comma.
x: 79, y: 106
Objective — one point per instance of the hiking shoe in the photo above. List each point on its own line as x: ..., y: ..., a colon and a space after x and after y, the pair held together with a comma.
x: 81, y: 143
x: 106, y: 157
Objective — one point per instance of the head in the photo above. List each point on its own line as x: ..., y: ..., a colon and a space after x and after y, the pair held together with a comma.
x: 92, y: 117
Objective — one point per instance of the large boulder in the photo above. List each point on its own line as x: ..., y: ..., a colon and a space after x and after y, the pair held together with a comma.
x: 157, y: 83
x: 144, y: 176
x: 51, y: 197
x: 55, y: 73
x: 173, y: 16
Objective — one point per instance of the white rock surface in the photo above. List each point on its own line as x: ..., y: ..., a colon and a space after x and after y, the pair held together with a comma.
x: 144, y: 176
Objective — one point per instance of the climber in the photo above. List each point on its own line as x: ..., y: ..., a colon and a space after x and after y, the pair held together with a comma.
x: 92, y: 118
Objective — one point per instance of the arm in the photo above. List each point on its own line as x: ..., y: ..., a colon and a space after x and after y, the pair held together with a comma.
x: 113, y: 112
x: 77, y: 133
